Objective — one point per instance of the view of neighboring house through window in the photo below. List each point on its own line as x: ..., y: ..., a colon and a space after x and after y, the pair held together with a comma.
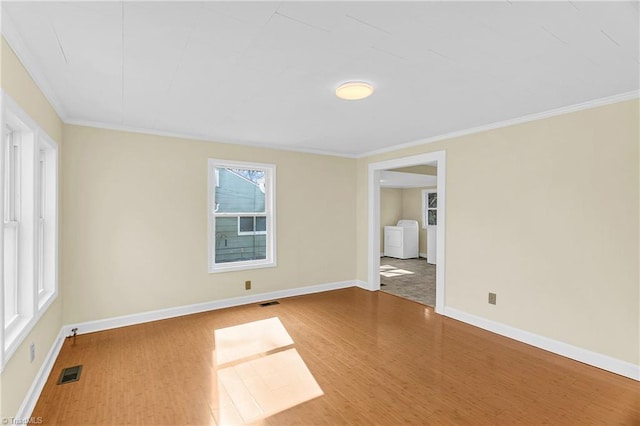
x: 242, y: 215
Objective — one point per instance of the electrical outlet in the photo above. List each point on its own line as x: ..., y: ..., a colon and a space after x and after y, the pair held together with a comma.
x: 247, y: 285
x: 492, y: 298
x: 32, y: 352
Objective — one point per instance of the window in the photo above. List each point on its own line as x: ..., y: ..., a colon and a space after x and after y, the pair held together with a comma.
x: 241, y: 215
x: 29, y: 232
x: 429, y: 207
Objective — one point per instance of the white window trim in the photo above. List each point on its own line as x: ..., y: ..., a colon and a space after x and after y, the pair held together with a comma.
x: 34, y: 307
x: 270, y: 208
x: 425, y: 193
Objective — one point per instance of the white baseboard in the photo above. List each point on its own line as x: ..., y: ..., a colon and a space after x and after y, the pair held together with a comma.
x: 362, y: 284
x: 30, y: 400
x: 419, y: 255
x: 133, y: 319
x: 586, y: 356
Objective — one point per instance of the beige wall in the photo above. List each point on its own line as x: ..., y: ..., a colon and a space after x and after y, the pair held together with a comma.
x: 19, y: 373
x: 136, y: 209
x: 545, y: 214
x: 390, y: 210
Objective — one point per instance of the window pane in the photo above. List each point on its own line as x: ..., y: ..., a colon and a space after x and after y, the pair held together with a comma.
x: 41, y: 256
x: 7, y: 174
x: 10, y: 273
x: 261, y: 223
x: 240, y: 190
x: 432, y: 217
x: 433, y: 200
x: 11, y: 177
x: 231, y: 247
x: 11, y: 227
x: 41, y: 221
x: 246, y: 224
x: 43, y: 185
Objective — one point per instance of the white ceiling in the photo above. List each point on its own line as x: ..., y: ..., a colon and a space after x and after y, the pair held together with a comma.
x: 264, y: 73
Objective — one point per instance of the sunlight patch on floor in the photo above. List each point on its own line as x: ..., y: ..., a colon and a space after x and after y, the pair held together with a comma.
x: 389, y: 271
x: 253, y: 338
x: 258, y: 374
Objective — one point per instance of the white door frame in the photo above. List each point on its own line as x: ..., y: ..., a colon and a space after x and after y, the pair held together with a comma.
x: 374, y: 218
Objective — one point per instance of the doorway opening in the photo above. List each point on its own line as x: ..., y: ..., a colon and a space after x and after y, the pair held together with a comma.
x: 408, y: 219
x: 392, y: 267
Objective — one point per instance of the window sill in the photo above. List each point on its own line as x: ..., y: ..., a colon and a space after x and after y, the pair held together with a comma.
x: 240, y: 266
x: 45, y: 300
x: 16, y: 334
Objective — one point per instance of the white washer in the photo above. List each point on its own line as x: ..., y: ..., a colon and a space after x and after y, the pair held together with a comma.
x: 401, y: 241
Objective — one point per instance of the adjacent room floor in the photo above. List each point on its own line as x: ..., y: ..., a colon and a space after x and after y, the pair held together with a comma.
x: 413, y: 279
x: 347, y: 356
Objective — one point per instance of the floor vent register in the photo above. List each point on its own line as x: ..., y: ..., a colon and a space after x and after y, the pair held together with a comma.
x: 70, y: 374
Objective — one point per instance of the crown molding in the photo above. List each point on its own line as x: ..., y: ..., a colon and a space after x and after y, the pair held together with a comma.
x: 479, y: 129
x: 199, y: 137
x: 506, y: 123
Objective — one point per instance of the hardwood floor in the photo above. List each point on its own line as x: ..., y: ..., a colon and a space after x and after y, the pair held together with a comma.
x: 378, y: 359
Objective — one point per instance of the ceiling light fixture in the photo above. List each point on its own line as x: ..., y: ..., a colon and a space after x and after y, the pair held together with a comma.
x: 354, y: 90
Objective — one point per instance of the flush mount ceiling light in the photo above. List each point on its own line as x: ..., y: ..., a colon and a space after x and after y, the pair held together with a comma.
x: 354, y: 90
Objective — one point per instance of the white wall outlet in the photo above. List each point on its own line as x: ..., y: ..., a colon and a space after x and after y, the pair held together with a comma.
x: 32, y: 352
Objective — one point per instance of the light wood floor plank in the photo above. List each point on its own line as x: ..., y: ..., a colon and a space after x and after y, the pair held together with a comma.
x: 379, y: 360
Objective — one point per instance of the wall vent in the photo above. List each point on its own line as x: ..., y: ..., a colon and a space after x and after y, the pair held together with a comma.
x: 70, y: 374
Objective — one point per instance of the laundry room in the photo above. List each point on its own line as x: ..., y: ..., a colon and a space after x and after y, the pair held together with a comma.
x: 407, y: 236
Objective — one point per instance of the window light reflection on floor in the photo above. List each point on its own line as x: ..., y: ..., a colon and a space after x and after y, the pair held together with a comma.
x: 259, y: 374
